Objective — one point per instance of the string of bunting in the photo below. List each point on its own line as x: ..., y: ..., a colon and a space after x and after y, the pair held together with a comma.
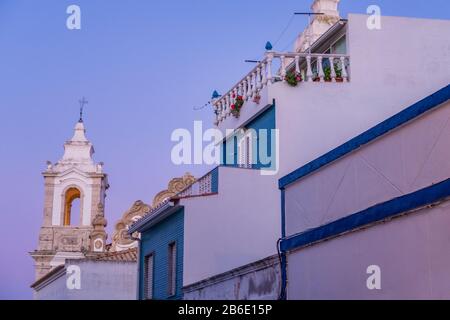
x: 197, y: 108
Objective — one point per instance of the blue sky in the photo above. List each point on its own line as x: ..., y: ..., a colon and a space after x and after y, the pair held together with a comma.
x: 143, y: 65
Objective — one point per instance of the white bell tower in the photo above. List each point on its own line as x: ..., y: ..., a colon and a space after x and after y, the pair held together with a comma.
x: 319, y: 23
x: 65, y: 233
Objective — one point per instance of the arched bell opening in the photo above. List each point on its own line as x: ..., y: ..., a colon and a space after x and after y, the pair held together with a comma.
x: 72, y: 207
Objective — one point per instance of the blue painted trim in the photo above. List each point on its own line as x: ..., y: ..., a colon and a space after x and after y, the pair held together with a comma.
x: 153, y: 217
x: 377, y: 213
x: 379, y: 130
x: 215, y: 180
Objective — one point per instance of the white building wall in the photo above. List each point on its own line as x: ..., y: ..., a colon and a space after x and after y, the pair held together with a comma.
x: 239, y: 226
x: 410, y: 158
x: 100, y: 280
x: 411, y: 251
x: 258, y: 281
x: 392, y: 68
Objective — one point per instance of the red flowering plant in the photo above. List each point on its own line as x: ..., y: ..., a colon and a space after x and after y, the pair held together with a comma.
x: 237, y: 105
x: 293, y: 78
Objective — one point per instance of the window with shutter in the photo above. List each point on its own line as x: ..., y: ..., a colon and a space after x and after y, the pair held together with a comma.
x: 148, y: 276
x: 245, y: 151
x: 172, y: 266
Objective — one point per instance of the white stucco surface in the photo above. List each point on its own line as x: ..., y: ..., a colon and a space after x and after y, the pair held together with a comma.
x: 411, y: 251
x: 100, y: 280
x: 239, y: 226
x: 406, y: 160
x: 390, y: 69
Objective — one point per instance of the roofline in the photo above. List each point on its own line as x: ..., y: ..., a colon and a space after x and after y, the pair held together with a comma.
x: 234, y: 273
x: 403, y: 117
x: 154, y: 217
x: 328, y: 34
x: 196, y: 196
x: 54, y: 274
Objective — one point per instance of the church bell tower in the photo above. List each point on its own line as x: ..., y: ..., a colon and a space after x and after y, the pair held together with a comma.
x: 75, y: 191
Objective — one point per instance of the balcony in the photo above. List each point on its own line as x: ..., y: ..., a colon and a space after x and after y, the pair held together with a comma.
x: 311, y: 67
x: 206, y: 185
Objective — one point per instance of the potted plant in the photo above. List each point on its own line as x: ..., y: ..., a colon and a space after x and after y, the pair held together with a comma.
x: 237, y: 106
x: 293, y: 78
x: 257, y: 98
x: 316, y: 77
x: 327, y: 74
x: 338, y: 71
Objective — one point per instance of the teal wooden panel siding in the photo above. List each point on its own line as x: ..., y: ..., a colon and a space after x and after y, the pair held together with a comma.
x: 156, y: 241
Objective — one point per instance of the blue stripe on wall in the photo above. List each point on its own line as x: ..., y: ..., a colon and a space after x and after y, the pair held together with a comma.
x: 377, y: 213
x: 397, y: 120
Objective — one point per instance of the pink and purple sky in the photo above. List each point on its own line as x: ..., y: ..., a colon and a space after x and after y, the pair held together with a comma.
x: 143, y: 65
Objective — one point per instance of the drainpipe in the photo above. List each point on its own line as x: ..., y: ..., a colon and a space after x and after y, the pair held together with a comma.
x: 281, y: 254
x: 283, y: 268
x: 138, y: 258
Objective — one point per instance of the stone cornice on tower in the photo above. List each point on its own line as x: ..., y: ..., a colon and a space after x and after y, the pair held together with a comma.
x: 78, y: 153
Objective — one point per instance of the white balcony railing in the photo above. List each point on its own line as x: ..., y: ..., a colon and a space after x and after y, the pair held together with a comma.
x: 311, y: 66
x: 208, y: 184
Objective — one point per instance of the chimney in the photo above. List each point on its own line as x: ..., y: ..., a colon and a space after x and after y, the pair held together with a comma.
x: 319, y: 23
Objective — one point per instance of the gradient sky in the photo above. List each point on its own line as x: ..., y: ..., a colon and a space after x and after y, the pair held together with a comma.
x: 143, y: 65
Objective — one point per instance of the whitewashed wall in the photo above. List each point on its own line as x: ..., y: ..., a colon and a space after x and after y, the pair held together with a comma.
x: 408, y: 159
x: 100, y: 280
x: 238, y: 227
x: 411, y: 251
x: 391, y: 69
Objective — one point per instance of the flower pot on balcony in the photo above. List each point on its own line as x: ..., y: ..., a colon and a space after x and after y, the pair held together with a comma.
x: 257, y: 99
x: 237, y: 105
x: 339, y: 79
x: 293, y: 78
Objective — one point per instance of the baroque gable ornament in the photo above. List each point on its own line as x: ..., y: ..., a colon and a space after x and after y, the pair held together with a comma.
x: 175, y: 186
x: 121, y: 240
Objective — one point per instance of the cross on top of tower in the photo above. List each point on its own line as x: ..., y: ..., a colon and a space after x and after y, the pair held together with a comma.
x: 82, y: 102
